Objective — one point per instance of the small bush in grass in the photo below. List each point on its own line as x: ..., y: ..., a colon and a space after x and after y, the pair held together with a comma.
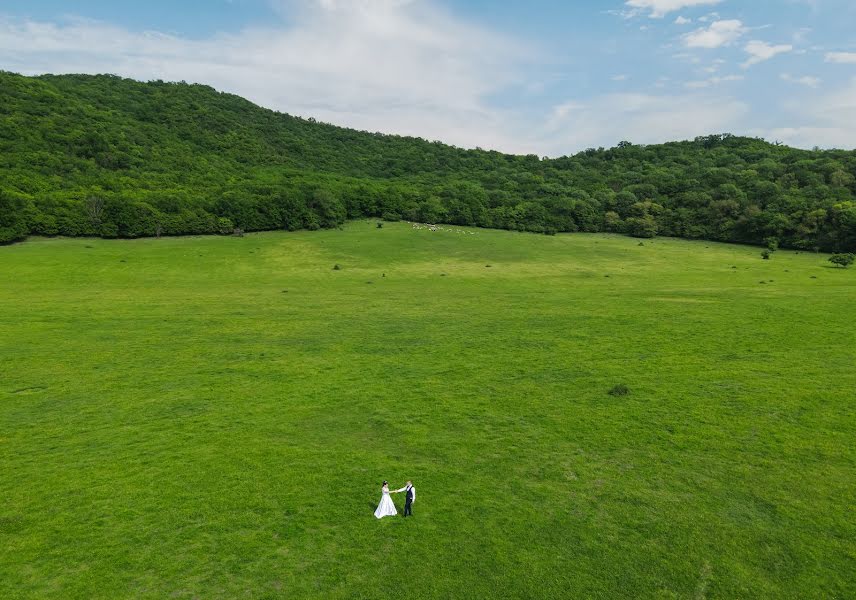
x: 842, y: 260
x: 765, y: 254
x: 619, y: 390
x: 380, y: 224
x: 337, y: 267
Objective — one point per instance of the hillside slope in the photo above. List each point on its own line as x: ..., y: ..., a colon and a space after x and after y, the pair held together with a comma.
x: 102, y: 155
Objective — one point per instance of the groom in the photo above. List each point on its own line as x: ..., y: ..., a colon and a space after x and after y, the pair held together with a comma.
x: 409, y: 497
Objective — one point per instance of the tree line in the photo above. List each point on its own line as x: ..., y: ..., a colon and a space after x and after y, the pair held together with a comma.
x: 112, y: 157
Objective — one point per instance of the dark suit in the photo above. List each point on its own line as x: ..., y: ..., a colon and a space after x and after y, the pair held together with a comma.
x: 408, y: 500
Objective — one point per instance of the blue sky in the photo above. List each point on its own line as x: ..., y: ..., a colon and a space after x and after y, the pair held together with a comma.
x: 544, y: 77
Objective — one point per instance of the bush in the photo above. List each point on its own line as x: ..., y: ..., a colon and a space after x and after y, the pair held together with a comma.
x: 619, y: 390
x: 336, y: 267
x: 380, y: 224
x: 765, y: 254
x: 842, y: 260
x: 225, y: 226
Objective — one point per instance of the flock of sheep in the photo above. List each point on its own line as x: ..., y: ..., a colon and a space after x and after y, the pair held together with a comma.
x: 430, y: 227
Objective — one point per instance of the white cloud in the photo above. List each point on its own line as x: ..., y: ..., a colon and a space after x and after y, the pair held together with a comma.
x: 719, y: 33
x: 828, y: 121
x: 660, y: 8
x: 621, y: 77
x: 681, y: 20
x: 713, y: 81
x: 805, y: 80
x: 841, y: 57
x: 640, y: 118
x: 379, y: 65
x: 761, y: 51
x: 801, y: 34
x: 687, y: 57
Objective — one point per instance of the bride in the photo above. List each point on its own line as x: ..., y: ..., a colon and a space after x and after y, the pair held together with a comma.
x: 386, y: 508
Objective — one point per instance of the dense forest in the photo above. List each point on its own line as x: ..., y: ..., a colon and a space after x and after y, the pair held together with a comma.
x: 106, y: 156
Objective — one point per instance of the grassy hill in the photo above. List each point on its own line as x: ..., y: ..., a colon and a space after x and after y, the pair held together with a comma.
x: 212, y: 417
x: 111, y: 157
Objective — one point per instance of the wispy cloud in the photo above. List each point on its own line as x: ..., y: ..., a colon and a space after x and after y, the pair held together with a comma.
x: 806, y: 80
x: 759, y: 51
x: 829, y: 121
x: 848, y: 58
x: 660, y: 8
x: 641, y: 118
x: 717, y: 34
x: 705, y: 83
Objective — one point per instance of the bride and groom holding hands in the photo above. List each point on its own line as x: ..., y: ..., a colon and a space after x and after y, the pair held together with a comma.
x: 386, y: 508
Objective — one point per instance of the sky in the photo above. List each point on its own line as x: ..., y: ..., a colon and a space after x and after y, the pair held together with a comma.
x: 545, y: 77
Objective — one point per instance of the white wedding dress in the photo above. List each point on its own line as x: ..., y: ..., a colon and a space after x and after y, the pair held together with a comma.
x: 386, y: 508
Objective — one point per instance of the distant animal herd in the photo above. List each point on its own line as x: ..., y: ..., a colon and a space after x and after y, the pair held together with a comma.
x: 431, y: 227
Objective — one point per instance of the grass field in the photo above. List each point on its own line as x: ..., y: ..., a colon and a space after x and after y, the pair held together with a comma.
x: 212, y: 417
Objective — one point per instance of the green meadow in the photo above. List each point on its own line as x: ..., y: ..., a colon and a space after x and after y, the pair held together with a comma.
x: 212, y: 417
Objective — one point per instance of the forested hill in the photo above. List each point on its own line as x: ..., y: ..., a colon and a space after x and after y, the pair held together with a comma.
x: 101, y: 155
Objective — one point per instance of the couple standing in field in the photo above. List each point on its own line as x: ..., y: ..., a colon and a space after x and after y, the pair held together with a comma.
x: 386, y: 508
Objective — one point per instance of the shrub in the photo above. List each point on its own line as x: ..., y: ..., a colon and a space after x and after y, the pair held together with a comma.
x: 765, y: 254
x: 380, y: 224
x: 225, y: 226
x: 619, y: 390
x: 337, y: 267
x: 842, y: 260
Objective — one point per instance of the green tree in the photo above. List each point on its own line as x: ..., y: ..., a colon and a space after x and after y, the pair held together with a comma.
x: 642, y: 227
x: 13, y: 226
